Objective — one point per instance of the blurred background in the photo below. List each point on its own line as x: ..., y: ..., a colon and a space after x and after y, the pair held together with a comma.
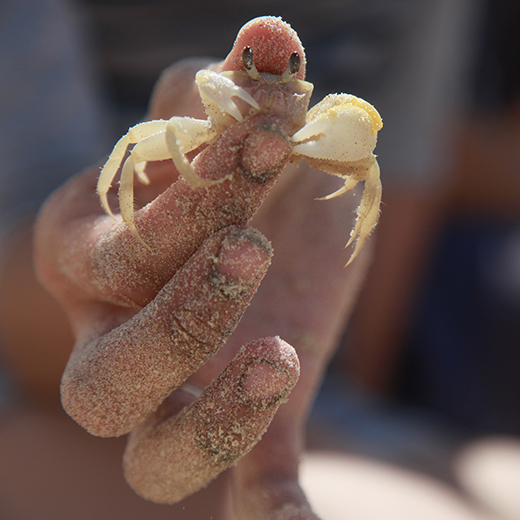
x: 427, y: 378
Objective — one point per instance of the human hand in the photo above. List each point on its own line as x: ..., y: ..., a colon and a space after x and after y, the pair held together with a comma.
x: 129, y: 308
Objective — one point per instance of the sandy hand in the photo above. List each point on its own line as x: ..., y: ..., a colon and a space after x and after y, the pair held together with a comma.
x: 145, y: 322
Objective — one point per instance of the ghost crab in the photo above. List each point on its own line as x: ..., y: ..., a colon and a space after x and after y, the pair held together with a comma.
x: 262, y: 75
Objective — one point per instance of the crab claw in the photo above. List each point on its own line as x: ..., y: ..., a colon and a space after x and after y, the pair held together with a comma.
x: 217, y: 92
x: 339, y: 138
x: 341, y: 127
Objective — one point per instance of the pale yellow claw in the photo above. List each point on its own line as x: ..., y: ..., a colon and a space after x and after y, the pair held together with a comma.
x: 339, y: 138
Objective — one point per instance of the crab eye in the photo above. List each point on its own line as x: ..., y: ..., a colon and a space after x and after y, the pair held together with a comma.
x: 293, y: 66
x: 249, y: 63
x: 247, y: 58
x: 294, y: 63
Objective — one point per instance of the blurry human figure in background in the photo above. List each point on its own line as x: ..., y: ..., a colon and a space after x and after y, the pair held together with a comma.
x: 411, y: 59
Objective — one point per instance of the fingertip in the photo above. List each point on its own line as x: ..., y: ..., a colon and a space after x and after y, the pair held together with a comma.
x: 244, y: 255
x: 170, y: 457
x: 271, y: 370
x: 272, y: 41
x: 264, y: 152
x: 276, y: 351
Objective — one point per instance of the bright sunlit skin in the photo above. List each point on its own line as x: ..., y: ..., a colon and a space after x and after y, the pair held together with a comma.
x: 147, y: 322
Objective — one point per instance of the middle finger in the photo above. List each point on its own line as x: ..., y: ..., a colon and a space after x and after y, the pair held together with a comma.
x: 113, y: 382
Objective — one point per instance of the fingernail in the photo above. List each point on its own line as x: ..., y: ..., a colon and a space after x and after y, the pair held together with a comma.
x: 264, y: 384
x: 264, y: 152
x: 244, y: 256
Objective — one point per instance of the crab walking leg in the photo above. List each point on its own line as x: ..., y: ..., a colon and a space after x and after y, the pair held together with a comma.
x: 368, y: 211
x: 139, y: 169
x: 350, y: 183
x: 151, y: 148
x: 109, y: 170
x: 174, y: 128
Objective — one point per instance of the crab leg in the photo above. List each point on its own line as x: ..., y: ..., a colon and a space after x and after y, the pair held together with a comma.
x: 176, y: 153
x: 151, y: 148
x: 350, y: 183
x: 110, y: 168
x: 158, y: 147
x: 126, y: 199
x: 368, y: 211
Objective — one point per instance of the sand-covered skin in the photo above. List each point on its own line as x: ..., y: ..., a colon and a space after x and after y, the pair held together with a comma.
x: 181, y: 303
x: 273, y: 41
x: 168, y: 458
x: 111, y: 384
x: 183, y: 298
